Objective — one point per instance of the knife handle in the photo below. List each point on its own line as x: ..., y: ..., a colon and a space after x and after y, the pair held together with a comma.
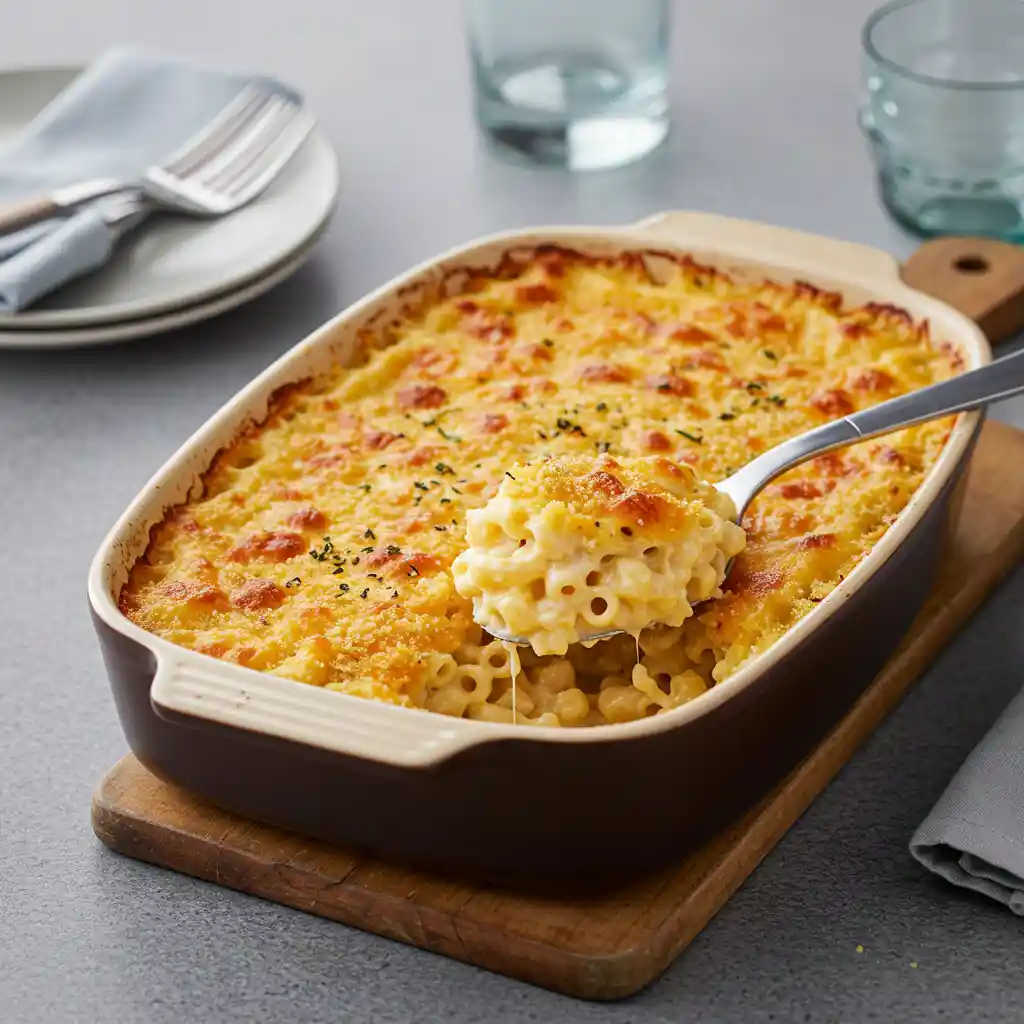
x: 23, y: 212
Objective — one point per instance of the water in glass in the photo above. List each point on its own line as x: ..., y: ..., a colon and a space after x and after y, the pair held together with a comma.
x: 575, y: 83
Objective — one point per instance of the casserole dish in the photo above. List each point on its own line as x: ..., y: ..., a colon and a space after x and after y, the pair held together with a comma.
x: 497, y: 800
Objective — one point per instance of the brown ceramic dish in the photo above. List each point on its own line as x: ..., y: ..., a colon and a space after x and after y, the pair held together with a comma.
x: 501, y: 800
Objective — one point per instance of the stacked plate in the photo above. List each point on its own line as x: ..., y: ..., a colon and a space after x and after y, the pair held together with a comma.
x: 173, y: 271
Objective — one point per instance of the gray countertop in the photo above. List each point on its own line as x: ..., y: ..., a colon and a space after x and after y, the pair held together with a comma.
x: 764, y: 128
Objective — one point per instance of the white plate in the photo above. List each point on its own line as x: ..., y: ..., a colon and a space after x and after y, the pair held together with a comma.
x: 126, y: 330
x: 171, y: 262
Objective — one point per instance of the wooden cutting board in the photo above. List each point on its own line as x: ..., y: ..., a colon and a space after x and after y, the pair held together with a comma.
x: 610, y: 946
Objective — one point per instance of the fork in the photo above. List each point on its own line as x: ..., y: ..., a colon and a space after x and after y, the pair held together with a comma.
x: 229, y: 162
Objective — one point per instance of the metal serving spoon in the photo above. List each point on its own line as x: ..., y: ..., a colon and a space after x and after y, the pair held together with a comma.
x: 992, y: 383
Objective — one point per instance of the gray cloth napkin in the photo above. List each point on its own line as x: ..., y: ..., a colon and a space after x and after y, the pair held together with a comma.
x: 129, y: 109
x: 974, y: 836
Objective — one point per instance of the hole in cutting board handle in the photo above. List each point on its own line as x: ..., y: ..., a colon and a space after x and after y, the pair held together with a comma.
x: 972, y: 265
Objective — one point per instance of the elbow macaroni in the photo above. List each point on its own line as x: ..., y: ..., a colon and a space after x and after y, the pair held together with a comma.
x: 571, y: 547
x: 326, y: 541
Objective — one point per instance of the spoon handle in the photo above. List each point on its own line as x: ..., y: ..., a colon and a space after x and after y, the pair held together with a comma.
x: 992, y: 383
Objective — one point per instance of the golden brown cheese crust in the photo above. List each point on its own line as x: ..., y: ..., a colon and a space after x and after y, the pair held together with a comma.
x: 321, y: 546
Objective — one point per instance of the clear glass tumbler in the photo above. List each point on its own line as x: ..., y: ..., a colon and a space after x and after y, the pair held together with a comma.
x: 943, y: 108
x: 574, y: 83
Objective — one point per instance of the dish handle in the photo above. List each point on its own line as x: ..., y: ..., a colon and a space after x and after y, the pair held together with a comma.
x: 785, y: 246
x: 187, y: 691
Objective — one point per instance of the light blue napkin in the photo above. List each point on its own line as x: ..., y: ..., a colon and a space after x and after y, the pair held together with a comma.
x: 974, y: 836
x: 129, y: 109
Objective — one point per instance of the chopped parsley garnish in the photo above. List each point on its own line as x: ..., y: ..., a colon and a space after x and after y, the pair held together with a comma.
x: 393, y: 549
x: 440, y: 529
x: 777, y: 399
x: 364, y: 593
x: 420, y: 485
x: 340, y: 569
x: 727, y: 416
x: 548, y: 343
x: 601, y: 406
x: 321, y: 556
x: 690, y: 437
x: 355, y: 561
x: 446, y: 501
x: 754, y: 386
x: 602, y: 446
x: 369, y: 535
x: 573, y: 428
x: 449, y: 437
x: 442, y: 468
x: 344, y: 588
x: 366, y: 551
x: 455, y: 490
x: 509, y: 475
x: 413, y: 571
x: 295, y: 581
x: 769, y: 354
x: 366, y: 487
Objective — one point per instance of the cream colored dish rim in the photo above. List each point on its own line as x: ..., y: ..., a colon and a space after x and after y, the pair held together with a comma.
x: 192, y: 684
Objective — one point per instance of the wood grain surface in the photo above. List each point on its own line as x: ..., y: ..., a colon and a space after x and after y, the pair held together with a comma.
x: 601, y: 947
x: 981, y: 277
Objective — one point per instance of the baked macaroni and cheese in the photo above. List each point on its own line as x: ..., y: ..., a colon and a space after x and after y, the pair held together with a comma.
x: 572, y: 546
x: 321, y: 548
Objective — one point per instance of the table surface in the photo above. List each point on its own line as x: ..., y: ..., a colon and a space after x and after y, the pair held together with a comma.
x: 764, y: 98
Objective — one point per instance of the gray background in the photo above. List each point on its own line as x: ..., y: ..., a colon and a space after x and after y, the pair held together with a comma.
x: 764, y: 102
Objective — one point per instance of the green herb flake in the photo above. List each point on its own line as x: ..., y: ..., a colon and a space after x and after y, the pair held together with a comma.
x: 777, y: 400
x: 366, y: 551
x: 321, y: 555
x: 509, y: 475
x: 295, y: 581
x: 601, y: 407
x: 754, y: 386
x: 440, y: 529
x: 727, y: 416
x: 769, y: 354
x: 413, y: 571
x: 690, y: 437
x: 442, y: 468
x: 449, y: 437
x: 364, y: 593
x: 602, y: 446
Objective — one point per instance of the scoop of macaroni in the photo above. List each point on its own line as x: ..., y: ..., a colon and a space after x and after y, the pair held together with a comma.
x: 573, y: 546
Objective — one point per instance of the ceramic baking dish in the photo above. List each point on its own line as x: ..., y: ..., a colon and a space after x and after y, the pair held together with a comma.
x: 511, y: 801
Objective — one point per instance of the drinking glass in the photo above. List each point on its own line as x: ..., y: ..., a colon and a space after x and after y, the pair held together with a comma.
x: 574, y: 83
x: 943, y: 108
